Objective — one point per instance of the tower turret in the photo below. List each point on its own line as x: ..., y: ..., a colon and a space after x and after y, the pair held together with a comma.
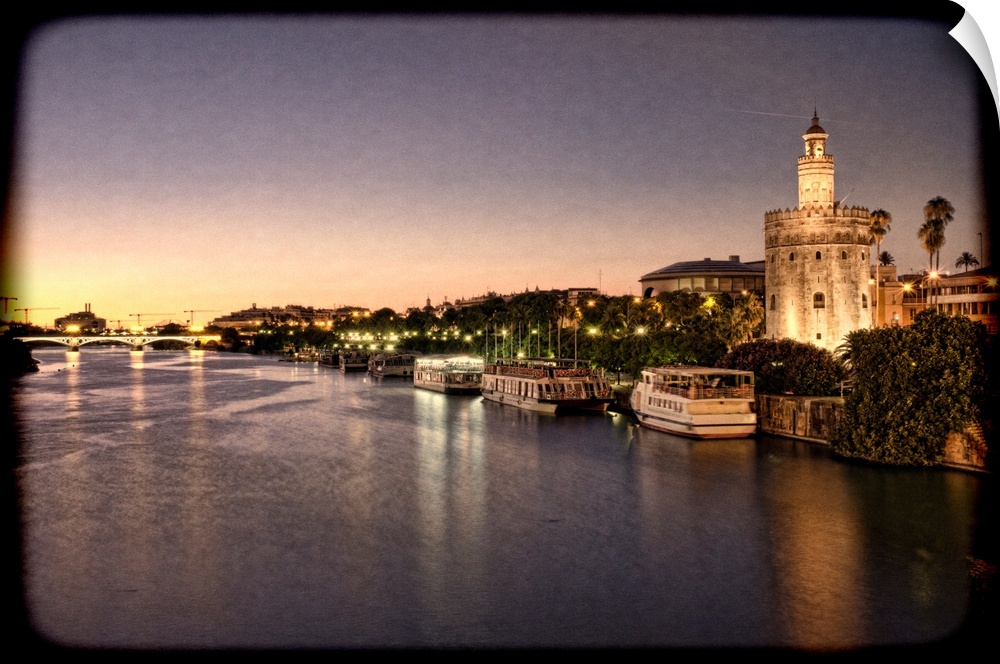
x: 815, y: 169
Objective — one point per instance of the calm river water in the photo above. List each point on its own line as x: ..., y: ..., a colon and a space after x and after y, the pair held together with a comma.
x: 210, y: 500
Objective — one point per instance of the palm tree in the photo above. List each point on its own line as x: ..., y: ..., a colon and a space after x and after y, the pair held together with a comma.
x: 931, y: 235
x: 966, y: 259
x: 880, y: 222
x: 939, y: 213
x: 886, y: 259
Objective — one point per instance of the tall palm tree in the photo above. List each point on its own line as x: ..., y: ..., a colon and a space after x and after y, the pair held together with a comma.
x: 966, y: 259
x: 885, y: 259
x: 880, y: 222
x: 931, y: 235
x: 939, y: 212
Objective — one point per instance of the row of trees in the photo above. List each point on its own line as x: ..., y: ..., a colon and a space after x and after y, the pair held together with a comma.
x: 938, y: 213
x: 620, y: 334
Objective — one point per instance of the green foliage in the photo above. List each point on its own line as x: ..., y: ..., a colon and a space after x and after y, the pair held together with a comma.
x: 912, y: 387
x: 785, y: 366
x: 15, y: 357
x: 231, y: 337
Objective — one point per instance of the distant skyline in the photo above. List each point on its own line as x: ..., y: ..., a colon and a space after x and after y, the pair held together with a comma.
x: 168, y: 164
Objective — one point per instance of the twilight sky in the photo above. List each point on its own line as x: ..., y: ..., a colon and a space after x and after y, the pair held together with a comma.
x: 167, y: 164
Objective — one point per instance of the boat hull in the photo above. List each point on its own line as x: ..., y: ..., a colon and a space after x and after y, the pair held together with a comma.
x: 695, y: 429
x: 546, y: 406
x: 403, y: 372
x: 446, y: 388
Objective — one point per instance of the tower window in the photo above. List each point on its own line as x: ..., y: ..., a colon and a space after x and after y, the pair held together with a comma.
x: 774, y: 302
x: 843, y: 254
x: 819, y: 301
x: 864, y: 301
x: 791, y: 256
x: 819, y: 255
x: 772, y: 258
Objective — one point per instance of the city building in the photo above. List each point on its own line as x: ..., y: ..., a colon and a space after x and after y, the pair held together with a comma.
x: 817, y: 255
x: 887, y: 297
x: 972, y: 294
x: 81, y: 321
x: 292, y: 313
x: 730, y: 277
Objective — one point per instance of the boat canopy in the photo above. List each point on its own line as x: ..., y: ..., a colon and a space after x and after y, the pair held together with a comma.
x: 458, y: 363
x: 682, y: 376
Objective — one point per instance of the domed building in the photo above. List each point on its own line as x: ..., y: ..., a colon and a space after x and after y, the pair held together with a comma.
x: 816, y: 257
x: 730, y: 277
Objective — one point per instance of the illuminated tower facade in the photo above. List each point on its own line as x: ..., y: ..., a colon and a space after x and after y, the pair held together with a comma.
x: 816, y: 257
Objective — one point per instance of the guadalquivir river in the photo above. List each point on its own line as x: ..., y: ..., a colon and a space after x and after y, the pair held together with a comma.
x: 211, y: 500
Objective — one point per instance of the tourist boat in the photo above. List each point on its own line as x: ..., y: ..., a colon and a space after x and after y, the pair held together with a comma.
x: 353, y: 360
x: 392, y: 363
x: 546, y: 385
x: 451, y: 374
x: 699, y: 402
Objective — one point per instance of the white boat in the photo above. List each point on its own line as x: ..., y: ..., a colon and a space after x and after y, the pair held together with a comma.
x: 546, y: 385
x: 353, y: 360
x: 451, y: 374
x: 392, y: 363
x: 700, y: 402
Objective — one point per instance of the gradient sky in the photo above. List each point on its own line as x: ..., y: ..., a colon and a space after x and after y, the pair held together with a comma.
x: 167, y: 164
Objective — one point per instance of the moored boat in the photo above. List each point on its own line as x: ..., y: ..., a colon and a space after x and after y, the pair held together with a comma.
x: 353, y: 360
x: 450, y: 374
x: 699, y: 402
x: 546, y: 385
x: 392, y: 363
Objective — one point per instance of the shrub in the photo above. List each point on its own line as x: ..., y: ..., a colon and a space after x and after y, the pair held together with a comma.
x: 912, y: 387
x: 785, y: 366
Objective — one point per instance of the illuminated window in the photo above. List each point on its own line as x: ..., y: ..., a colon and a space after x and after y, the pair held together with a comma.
x: 819, y: 302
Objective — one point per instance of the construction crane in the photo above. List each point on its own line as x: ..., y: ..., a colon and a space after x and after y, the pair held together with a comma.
x: 5, y: 300
x: 26, y: 310
x: 139, y: 317
x: 198, y: 311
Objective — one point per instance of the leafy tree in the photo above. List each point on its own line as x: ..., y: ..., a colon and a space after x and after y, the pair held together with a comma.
x: 15, y: 357
x: 744, y: 320
x: 786, y: 366
x: 913, y: 386
x: 231, y: 337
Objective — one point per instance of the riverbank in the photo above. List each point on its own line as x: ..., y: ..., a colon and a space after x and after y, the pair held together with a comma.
x: 15, y: 358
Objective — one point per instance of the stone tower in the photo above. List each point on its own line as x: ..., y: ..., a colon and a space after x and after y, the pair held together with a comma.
x: 816, y: 257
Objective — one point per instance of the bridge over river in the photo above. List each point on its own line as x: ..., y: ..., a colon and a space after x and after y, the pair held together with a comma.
x: 136, y: 341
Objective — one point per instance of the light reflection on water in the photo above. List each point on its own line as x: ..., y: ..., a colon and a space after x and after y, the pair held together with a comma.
x: 212, y: 500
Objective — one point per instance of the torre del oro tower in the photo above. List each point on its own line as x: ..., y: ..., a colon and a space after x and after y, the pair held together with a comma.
x: 816, y: 257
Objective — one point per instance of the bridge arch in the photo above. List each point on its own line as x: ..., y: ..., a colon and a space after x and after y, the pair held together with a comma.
x: 136, y: 341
